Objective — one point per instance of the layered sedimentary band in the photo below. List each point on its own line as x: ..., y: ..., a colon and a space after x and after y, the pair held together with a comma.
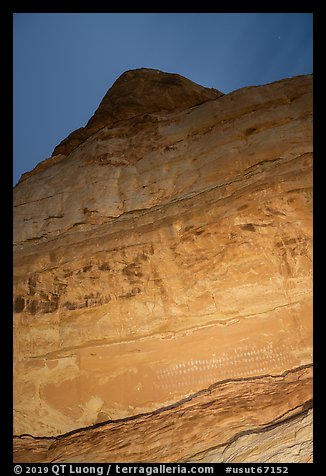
x: 163, y: 280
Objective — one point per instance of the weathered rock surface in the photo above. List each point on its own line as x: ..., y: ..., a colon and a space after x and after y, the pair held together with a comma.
x: 163, y: 282
x: 138, y: 92
x: 156, y: 437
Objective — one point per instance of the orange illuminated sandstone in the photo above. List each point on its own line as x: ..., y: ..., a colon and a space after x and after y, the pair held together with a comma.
x: 167, y: 253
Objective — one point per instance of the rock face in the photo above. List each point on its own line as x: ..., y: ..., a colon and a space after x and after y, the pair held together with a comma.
x: 163, y: 279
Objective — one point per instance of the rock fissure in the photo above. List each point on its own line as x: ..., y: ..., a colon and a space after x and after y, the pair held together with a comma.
x: 266, y: 428
x: 178, y: 404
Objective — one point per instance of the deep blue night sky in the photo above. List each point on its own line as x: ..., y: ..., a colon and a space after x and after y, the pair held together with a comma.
x: 64, y: 63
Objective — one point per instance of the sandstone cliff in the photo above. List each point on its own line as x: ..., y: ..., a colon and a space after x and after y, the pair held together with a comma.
x: 163, y: 281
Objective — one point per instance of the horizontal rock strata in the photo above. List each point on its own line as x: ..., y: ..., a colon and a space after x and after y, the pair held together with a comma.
x: 267, y: 403
x: 163, y: 279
